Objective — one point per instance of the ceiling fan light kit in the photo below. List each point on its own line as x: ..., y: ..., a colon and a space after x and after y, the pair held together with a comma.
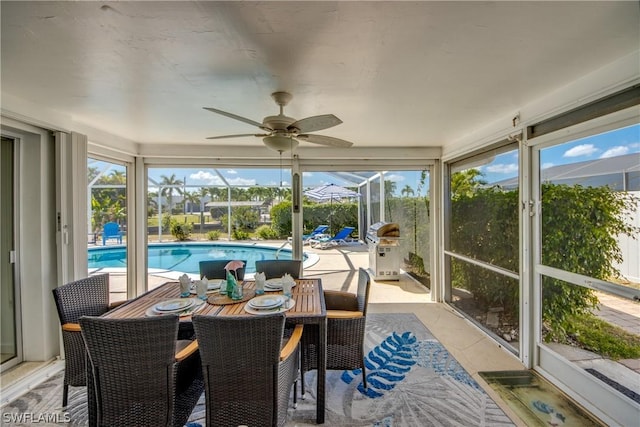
x: 280, y: 143
x: 282, y: 132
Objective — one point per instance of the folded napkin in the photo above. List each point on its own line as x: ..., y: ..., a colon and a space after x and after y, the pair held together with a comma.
x: 287, y: 284
x: 287, y: 279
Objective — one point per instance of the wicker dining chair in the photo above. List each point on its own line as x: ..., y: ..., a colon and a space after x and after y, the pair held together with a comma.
x: 214, y: 269
x: 248, y: 373
x: 138, y: 373
x: 346, y: 318
x: 84, y: 297
x: 278, y: 267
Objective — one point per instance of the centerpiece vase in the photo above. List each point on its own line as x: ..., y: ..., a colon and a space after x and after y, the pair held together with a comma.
x: 231, y: 284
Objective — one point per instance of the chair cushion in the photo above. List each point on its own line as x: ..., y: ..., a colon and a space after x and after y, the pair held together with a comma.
x: 340, y: 300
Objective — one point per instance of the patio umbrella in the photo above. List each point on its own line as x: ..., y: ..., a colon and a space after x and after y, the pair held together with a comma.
x: 329, y: 192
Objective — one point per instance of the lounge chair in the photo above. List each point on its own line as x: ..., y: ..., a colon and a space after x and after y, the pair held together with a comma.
x: 111, y: 230
x: 319, y: 230
x: 340, y: 238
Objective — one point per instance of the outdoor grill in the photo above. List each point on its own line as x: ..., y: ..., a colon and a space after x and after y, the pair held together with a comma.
x: 383, y: 239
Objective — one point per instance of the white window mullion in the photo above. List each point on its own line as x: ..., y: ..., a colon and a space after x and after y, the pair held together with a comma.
x: 71, y: 204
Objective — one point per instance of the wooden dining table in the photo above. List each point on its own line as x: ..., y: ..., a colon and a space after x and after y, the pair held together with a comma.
x: 309, y: 309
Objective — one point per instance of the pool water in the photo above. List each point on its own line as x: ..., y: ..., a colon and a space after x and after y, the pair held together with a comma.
x: 186, y: 257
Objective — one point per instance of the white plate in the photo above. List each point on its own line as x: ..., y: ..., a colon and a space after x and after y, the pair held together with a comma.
x: 285, y: 307
x: 275, y: 284
x: 174, y: 305
x: 197, y: 305
x: 214, y: 284
x: 265, y: 302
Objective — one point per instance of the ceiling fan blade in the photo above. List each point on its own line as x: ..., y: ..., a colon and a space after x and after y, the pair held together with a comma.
x: 237, y: 136
x: 236, y: 117
x: 325, y: 140
x: 315, y: 123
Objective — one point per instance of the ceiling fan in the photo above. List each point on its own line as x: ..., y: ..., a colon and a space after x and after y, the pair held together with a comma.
x: 282, y: 133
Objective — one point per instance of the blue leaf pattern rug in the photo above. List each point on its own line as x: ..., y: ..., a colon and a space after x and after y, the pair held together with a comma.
x: 412, y: 381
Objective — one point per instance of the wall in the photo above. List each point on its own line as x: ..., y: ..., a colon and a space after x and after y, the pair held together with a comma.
x: 630, y: 248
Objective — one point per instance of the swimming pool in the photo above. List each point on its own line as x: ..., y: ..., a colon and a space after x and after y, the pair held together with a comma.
x: 185, y: 257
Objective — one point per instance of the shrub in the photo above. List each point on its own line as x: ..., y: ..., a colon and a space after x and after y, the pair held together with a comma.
x: 579, y: 229
x: 167, y: 221
x: 180, y: 231
x: 338, y: 214
x: 266, y: 232
x: 213, y: 235
x: 239, y: 234
x: 281, y: 218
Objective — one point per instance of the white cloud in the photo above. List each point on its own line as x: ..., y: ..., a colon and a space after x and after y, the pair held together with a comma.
x: 634, y: 145
x: 307, y: 174
x: 580, y: 150
x: 241, y: 181
x: 278, y: 184
x: 394, y: 178
x: 207, y: 178
x: 615, y: 151
x: 547, y: 165
x: 501, y: 168
x: 232, y: 171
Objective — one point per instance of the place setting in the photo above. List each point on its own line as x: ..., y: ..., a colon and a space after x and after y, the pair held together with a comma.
x: 213, y: 285
x: 179, y: 306
x: 276, y: 284
x: 266, y: 304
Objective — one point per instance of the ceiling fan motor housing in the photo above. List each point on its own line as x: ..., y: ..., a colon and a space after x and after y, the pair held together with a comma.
x: 277, y: 123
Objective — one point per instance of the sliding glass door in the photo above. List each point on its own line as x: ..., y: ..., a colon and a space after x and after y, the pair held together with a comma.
x: 9, y: 337
x: 587, y: 273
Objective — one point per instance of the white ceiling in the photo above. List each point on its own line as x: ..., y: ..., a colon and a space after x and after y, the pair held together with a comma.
x: 397, y: 73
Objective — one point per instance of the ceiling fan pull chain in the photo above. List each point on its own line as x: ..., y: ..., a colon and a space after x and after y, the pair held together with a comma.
x: 280, y: 169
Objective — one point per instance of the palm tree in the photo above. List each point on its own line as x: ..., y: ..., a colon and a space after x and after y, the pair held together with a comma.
x: 407, y: 191
x: 215, y: 193
x: 152, y: 203
x: 193, y: 198
x: 169, y: 185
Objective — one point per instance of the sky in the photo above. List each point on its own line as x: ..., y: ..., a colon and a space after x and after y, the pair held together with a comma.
x: 610, y: 144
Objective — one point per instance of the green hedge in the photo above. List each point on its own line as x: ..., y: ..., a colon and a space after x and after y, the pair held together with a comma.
x: 342, y: 215
x: 579, y: 229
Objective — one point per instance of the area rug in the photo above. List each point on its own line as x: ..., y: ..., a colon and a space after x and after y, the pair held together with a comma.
x: 412, y: 379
